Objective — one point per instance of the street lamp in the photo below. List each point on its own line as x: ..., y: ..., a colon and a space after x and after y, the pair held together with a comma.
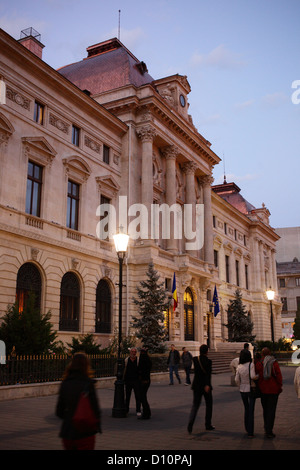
x: 270, y: 295
x: 119, y: 411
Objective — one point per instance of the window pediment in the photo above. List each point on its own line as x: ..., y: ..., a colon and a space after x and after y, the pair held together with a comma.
x: 39, y: 149
x: 77, y: 169
x: 6, y: 129
x: 108, y: 185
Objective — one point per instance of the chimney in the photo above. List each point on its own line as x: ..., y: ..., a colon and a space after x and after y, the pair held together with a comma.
x: 31, y: 39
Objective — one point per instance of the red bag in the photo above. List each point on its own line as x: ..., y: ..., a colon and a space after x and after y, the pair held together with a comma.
x: 84, y: 419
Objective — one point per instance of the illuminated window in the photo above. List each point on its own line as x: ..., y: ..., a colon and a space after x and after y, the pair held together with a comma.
x: 188, y: 315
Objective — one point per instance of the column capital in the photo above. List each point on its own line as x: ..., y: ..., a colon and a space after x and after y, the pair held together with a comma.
x: 189, y: 167
x: 146, y: 133
x: 170, y: 152
x: 206, y: 180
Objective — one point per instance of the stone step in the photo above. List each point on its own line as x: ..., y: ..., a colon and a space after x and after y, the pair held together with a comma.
x: 221, y: 361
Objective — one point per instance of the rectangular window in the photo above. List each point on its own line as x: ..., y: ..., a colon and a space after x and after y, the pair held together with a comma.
x: 106, y: 154
x: 246, y: 277
x: 281, y: 282
x: 34, y: 189
x: 105, y: 229
x: 227, y: 268
x: 216, y: 258
x: 75, y: 135
x: 225, y: 228
x: 297, y: 280
x: 39, y: 111
x: 73, y: 205
x: 237, y: 271
x: 284, y: 304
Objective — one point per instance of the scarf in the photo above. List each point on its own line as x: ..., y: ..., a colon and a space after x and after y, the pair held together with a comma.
x: 268, y: 364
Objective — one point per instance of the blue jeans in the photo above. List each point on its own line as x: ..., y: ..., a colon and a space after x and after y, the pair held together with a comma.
x: 175, y: 370
x: 249, y: 405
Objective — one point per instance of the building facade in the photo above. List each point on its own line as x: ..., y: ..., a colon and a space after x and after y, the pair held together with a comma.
x: 102, y: 134
x: 288, y: 276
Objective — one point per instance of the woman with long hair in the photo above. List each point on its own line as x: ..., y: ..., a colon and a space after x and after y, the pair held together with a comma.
x: 77, y: 379
x: 244, y: 373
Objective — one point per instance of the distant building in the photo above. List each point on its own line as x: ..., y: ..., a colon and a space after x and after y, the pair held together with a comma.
x: 103, y: 128
x: 288, y: 274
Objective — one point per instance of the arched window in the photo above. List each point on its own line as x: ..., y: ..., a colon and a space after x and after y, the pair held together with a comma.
x: 28, y: 281
x: 103, y: 307
x: 69, y: 303
x: 188, y: 315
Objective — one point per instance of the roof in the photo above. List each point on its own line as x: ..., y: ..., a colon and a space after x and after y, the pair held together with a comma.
x: 109, y: 65
x: 289, y: 267
x: 230, y: 192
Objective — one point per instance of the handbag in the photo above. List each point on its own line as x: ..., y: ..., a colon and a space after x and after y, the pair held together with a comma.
x: 84, y: 419
x: 254, y: 388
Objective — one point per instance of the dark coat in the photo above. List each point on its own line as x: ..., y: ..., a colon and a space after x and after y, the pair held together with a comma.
x: 176, y: 357
x: 201, y: 379
x: 68, y: 398
x: 144, y: 368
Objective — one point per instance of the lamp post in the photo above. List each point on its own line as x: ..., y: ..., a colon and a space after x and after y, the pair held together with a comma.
x: 119, y: 411
x: 270, y: 295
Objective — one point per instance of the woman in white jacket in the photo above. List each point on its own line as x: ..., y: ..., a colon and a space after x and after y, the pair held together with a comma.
x: 244, y: 372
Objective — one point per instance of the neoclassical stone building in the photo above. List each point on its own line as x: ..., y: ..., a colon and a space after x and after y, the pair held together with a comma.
x: 103, y: 131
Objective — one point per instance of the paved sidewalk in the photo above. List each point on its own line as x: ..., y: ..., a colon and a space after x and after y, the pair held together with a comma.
x: 30, y: 423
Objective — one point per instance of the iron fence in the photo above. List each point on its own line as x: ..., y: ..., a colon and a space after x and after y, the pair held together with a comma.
x: 51, y: 368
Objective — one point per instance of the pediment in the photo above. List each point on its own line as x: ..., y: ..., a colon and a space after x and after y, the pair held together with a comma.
x: 5, y: 125
x: 77, y: 168
x: 108, y: 185
x: 39, y: 149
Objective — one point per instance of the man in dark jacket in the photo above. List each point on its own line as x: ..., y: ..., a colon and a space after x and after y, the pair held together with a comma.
x: 202, y: 386
x: 173, y: 362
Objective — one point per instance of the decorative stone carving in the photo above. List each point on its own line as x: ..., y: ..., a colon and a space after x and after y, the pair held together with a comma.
x: 59, y: 123
x: 34, y: 253
x: 17, y: 98
x: 146, y: 133
x: 189, y: 167
x: 92, y: 144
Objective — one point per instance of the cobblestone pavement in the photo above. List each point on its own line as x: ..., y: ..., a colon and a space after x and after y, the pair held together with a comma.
x: 30, y: 423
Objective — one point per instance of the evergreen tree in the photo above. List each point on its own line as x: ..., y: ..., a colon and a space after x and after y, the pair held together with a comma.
x: 29, y: 332
x: 239, y: 325
x: 296, y: 327
x: 152, y: 302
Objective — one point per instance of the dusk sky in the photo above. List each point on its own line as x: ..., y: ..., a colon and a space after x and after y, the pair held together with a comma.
x: 240, y: 57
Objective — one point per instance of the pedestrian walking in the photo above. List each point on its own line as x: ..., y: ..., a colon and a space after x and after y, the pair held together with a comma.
x: 144, y: 371
x: 245, y: 372
x: 297, y: 381
x: 173, y: 363
x: 187, y: 361
x: 77, y: 380
x: 201, y: 386
x: 131, y: 379
x: 270, y: 384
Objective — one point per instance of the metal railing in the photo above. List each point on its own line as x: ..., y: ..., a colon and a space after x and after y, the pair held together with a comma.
x: 51, y: 368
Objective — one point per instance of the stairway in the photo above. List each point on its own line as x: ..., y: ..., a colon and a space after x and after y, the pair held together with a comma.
x: 221, y: 360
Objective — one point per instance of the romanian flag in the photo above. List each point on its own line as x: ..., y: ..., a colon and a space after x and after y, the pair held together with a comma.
x: 174, y: 292
x: 216, y: 302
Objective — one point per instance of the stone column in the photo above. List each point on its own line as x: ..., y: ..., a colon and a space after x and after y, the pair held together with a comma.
x: 147, y: 134
x: 170, y: 154
x: 206, y: 183
x: 190, y: 198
